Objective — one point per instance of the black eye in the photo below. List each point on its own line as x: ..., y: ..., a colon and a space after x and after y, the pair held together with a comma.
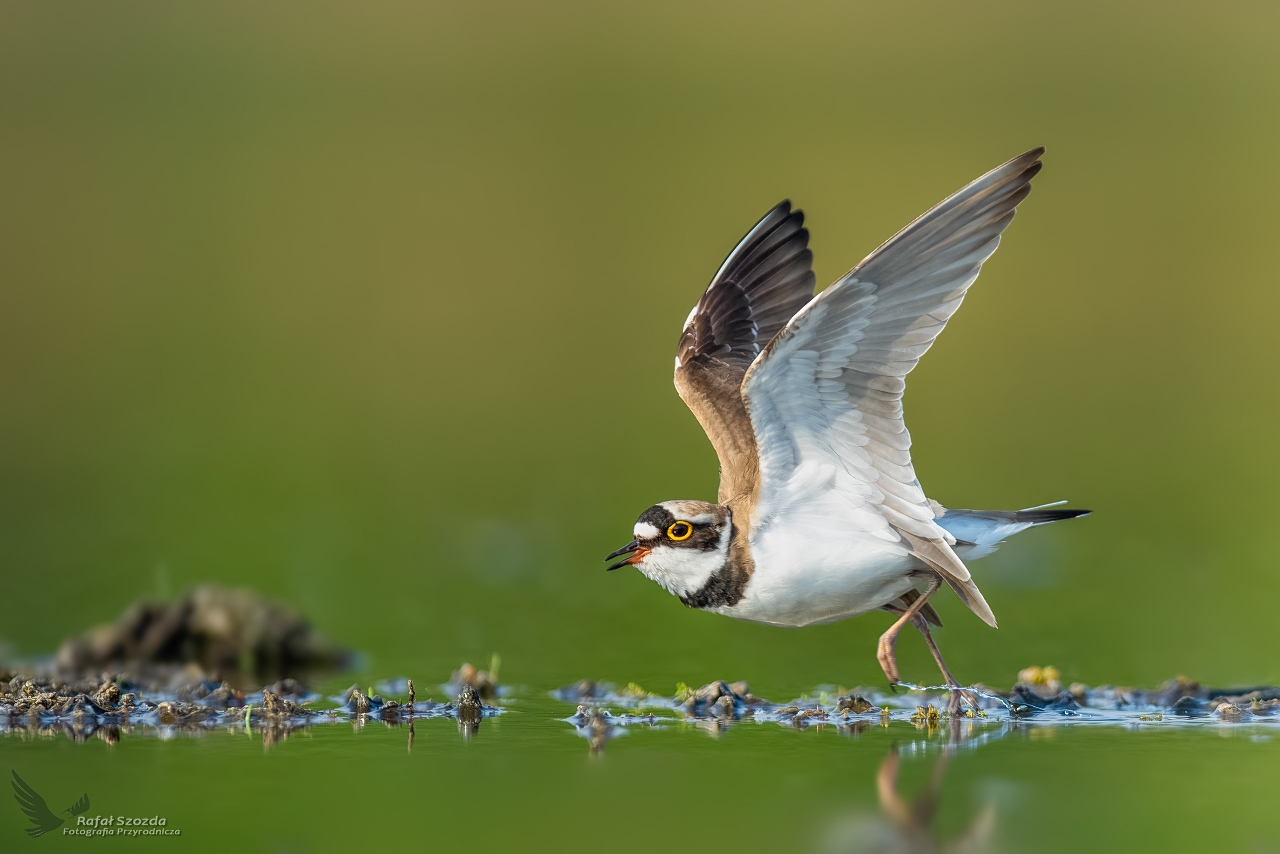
x: 680, y: 531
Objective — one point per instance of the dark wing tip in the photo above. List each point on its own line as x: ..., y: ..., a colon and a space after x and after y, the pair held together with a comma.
x: 758, y: 287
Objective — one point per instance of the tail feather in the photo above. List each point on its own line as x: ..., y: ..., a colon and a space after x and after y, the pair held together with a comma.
x: 978, y: 532
x: 1034, y: 516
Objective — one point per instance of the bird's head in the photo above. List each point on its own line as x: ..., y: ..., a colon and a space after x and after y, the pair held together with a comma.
x: 679, y: 544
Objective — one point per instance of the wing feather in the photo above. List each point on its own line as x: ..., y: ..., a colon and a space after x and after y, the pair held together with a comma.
x: 826, y: 392
x: 765, y: 280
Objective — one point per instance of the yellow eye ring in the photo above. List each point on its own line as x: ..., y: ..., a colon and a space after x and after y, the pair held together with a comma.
x: 680, y: 531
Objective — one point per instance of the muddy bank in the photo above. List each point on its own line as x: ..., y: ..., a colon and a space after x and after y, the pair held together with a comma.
x: 237, y: 635
x: 44, y: 705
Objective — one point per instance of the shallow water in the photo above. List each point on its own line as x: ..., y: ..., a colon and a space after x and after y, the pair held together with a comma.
x: 651, y: 773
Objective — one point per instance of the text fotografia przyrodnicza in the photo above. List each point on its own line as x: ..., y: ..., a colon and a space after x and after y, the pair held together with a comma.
x: 121, y: 825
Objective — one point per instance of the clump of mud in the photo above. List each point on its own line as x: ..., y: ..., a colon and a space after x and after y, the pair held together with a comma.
x: 1038, y: 694
x: 219, y: 630
x: 114, y: 704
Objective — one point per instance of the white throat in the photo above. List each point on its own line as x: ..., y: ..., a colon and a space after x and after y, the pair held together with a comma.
x: 682, y: 571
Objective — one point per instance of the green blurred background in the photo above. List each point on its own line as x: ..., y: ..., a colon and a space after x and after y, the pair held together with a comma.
x: 372, y: 307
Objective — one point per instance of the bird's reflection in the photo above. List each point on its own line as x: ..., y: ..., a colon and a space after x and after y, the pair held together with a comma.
x: 905, y: 823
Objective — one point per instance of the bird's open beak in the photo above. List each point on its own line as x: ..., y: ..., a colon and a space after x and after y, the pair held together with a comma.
x: 640, y: 553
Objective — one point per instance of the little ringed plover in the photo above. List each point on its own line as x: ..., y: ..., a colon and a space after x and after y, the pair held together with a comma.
x: 820, y: 515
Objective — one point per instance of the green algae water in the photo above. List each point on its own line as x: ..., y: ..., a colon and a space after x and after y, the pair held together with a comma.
x: 372, y: 309
x: 531, y: 776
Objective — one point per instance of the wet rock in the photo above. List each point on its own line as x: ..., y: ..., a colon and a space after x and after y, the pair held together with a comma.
x: 107, y: 695
x: 1190, y: 706
x: 1228, y: 711
x: 716, y: 699
x: 81, y: 706
x: 854, y: 704
x: 275, y: 706
x: 1036, y: 701
x: 357, y: 703
x: 712, y: 691
x: 469, y: 707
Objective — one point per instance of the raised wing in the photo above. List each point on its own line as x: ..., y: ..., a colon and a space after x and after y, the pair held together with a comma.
x: 825, y: 397
x: 765, y: 280
x: 30, y: 802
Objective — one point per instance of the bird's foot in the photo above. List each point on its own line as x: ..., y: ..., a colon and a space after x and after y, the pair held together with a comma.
x: 888, y: 663
x: 958, y: 697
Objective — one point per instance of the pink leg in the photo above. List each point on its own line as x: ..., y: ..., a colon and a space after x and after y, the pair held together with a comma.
x: 888, y: 640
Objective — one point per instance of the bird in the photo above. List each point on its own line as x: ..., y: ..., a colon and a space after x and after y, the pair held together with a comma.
x: 820, y: 515
x: 42, y: 818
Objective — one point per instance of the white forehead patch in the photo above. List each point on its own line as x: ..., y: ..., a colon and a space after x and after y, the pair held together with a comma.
x: 681, y: 510
x: 645, y: 531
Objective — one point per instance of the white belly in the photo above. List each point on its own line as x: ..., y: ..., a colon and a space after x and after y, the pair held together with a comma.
x: 800, y: 580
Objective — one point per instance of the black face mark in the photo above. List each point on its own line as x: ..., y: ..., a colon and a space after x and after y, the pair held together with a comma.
x: 680, y: 533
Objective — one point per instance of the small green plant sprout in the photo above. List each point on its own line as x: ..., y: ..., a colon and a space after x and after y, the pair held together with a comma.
x: 683, y: 692
x: 495, y: 661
